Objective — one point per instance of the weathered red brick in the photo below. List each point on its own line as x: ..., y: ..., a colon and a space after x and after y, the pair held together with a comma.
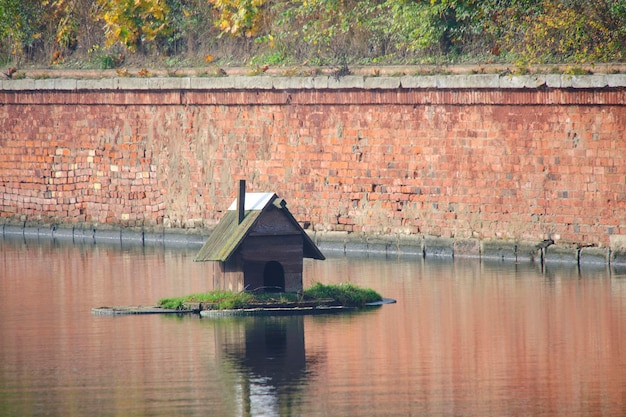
x: 503, y: 159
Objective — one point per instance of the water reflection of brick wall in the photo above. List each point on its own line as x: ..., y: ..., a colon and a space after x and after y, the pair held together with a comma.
x: 481, y: 341
x: 521, y: 164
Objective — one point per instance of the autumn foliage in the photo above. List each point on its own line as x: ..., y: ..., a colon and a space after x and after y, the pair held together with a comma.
x: 316, y: 32
x: 133, y: 22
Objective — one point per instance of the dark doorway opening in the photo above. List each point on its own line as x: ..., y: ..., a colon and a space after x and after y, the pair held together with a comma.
x: 274, y: 277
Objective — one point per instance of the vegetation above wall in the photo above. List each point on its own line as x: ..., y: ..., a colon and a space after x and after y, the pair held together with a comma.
x: 104, y: 34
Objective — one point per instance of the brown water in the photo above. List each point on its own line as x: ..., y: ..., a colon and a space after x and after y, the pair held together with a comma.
x: 466, y: 338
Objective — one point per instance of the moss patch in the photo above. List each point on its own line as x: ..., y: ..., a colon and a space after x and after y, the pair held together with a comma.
x: 347, y: 295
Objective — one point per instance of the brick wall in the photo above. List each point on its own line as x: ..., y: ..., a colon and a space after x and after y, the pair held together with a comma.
x: 481, y: 163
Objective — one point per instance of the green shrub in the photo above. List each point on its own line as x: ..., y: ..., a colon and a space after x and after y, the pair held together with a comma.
x: 346, y: 294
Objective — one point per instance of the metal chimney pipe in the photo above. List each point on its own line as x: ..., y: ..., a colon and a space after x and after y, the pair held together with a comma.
x: 241, y: 201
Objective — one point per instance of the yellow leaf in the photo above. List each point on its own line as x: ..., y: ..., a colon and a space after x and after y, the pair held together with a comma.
x: 209, y: 58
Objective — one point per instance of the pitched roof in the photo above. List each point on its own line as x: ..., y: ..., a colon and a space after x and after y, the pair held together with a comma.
x: 229, y: 233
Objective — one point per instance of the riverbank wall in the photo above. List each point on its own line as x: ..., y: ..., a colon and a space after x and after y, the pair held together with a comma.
x: 480, y: 165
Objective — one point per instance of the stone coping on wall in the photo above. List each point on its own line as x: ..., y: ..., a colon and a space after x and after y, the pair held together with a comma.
x: 347, y: 244
x: 320, y: 82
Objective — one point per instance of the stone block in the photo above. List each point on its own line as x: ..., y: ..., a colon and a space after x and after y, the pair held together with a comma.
x: 527, y: 251
x: 173, y: 240
x: 499, y: 250
x: 108, y: 236
x: 10, y: 230
x: 410, y: 246
x: 331, y: 236
x: 129, y: 83
x: 561, y: 253
x: 169, y: 83
x: 512, y: 81
x: 377, y: 249
x: 468, y: 81
x: 380, y: 245
x: 65, y: 84
x: 382, y: 83
x: 31, y: 233
x: 566, y: 81
x: 26, y: 84
x: 293, y: 83
x: 483, y: 81
x: 393, y: 251
x: 534, y: 81
x: 195, y: 241
x: 320, y: 82
x: 45, y: 233
x: 356, y: 248
x: 332, y: 247
x: 131, y: 237
x: 258, y: 82
x: 589, y: 81
x: 617, y: 245
x: 418, y: 81
x: 593, y: 256
x: 103, y: 84
x: 355, y: 244
x: 553, y: 80
x: 84, y: 235
x: 212, y: 83
x: 438, y: 247
x: 44, y: 84
x: 522, y: 81
x: 153, y: 239
x: 616, y: 80
x: 63, y: 234
x: 466, y: 248
x: 452, y: 81
x: 618, y: 258
x: 348, y: 81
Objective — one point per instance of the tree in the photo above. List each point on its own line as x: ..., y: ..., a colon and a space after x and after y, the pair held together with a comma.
x: 20, y: 26
x: 133, y: 23
x: 191, y: 26
x: 550, y: 31
x: 240, y: 17
x: 65, y: 13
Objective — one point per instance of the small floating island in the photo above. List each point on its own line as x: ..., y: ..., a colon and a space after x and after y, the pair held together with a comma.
x: 319, y: 299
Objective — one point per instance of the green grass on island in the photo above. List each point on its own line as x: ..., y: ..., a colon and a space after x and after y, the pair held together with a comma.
x: 347, y: 295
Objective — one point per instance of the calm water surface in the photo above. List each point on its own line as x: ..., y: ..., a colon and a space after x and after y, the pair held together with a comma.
x: 466, y: 338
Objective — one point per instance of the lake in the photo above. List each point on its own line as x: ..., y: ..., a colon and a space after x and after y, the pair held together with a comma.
x: 465, y: 338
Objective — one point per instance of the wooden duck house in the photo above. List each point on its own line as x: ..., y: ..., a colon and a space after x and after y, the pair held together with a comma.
x: 258, y: 246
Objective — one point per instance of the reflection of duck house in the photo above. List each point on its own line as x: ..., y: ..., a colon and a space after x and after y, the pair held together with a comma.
x: 258, y: 245
x: 270, y: 361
